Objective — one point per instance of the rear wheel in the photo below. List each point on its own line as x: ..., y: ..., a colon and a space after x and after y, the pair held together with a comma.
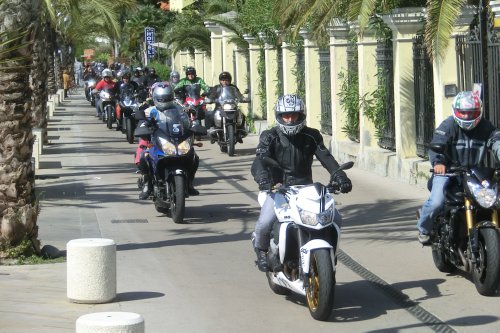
x: 320, y: 291
x: 486, y: 273
x: 230, y: 140
x: 178, y: 204
x: 130, y: 130
x: 441, y: 261
x: 276, y: 288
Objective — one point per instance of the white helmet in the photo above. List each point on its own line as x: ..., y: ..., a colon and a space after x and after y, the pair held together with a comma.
x: 467, y: 109
x: 286, y: 105
x: 107, y: 73
x: 163, y: 97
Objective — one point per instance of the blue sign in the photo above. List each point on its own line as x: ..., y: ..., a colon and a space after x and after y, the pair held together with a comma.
x: 149, y: 38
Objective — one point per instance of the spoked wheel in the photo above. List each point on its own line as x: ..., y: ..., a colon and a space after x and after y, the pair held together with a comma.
x: 486, y: 273
x: 178, y: 203
x: 109, y: 117
x: 320, y: 291
x: 230, y: 140
x: 129, y: 130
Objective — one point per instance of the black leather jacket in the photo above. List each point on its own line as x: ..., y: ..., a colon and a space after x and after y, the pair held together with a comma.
x: 294, y: 154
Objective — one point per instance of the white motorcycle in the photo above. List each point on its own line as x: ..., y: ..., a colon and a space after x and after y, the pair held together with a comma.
x: 304, y: 243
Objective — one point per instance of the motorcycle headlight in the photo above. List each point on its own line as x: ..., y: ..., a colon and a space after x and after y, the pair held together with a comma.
x: 228, y: 107
x: 485, y: 197
x: 312, y: 219
x: 167, y: 147
x: 105, y: 95
x: 184, y: 147
x: 91, y: 84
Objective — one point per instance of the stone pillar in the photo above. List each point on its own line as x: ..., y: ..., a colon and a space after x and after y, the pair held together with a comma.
x: 199, y: 63
x: 271, y: 61
x: 312, y: 79
x: 289, y: 64
x: 404, y: 22
x: 339, y: 42
x: 216, y: 51
x: 184, y: 62
x: 444, y: 71
x: 227, y: 52
x: 367, y: 72
x: 241, y: 75
x: 254, y: 54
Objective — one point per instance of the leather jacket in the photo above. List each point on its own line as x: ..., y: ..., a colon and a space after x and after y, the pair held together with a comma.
x: 294, y: 154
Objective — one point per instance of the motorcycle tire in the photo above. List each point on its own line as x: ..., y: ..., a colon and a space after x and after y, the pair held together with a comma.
x: 320, y: 291
x: 276, y: 288
x: 92, y: 102
x: 109, y: 117
x: 123, y: 124
x: 441, y: 261
x: 129, y: 125
x: 230, y: 140
x: 486, y: 273
x: 178, y: 203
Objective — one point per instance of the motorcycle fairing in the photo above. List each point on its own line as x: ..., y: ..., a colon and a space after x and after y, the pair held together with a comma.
x: 314, y: 244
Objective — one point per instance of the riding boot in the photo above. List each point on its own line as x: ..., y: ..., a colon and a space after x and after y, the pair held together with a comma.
x: 147, y: 188
x: 192, y: 173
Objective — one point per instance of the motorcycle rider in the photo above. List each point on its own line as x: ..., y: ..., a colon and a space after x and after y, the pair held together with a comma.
x: 292, y: 144
x: 141, y: 82
x: 126, y: 85
x: 190, y: 79
x: 174, y: 78
x: 224, y: 81
x: 106, y: 83
x: 467, y: 137
x: 163, y: 99
x: 152, y: 78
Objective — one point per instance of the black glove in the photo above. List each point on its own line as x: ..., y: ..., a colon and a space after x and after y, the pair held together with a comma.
x: 344, y: 182
x: 264, y: 185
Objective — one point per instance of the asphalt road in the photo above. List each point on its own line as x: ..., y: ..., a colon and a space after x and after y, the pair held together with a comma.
x: 200, y: 276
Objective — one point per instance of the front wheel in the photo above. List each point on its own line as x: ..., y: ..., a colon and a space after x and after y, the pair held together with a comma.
x: 486, y: 272
x: 109, y: 117
x: 130, y: 130
x: 178, y: 204
x: 230, y: 140
x: 320, y: 290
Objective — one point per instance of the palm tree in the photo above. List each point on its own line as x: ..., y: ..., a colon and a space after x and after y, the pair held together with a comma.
x: 18, y: 207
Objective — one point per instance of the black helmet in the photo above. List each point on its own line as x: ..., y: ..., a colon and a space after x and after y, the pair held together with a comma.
x: 225, y: 76
x: 163, y: 97
x: 190, y: 70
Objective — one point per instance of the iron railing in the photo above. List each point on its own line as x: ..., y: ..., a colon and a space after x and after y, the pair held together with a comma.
x: 387, y: 136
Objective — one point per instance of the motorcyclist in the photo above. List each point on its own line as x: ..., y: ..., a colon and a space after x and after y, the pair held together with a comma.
x: 225, y: 80
x: 174, y: 78
x: 190, y: 79
x: 467, y: 137
x: 293, y: 145
x: 163, y: 98
x: 141, y: 82
x: 152, y: 78
x: 126, y: 87
x: 106, y: 83
x: 89, y: 75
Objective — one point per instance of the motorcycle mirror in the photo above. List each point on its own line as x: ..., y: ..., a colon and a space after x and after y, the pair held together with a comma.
x: 198, y: 144
x: 437, y: 147
x: 346, y: 166
x: 247, y: 91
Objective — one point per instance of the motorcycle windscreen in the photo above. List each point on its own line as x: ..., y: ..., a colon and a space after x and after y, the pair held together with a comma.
x: 193, y: 90
x: 228, y: 94
x: 174, y: 123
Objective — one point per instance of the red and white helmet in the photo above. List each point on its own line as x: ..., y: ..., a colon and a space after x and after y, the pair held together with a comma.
x: 467, y: 109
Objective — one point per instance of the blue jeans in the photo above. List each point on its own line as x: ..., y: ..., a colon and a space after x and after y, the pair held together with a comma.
x: 433, y: 205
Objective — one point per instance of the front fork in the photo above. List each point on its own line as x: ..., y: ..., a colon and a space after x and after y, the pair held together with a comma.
x: 472, y: 230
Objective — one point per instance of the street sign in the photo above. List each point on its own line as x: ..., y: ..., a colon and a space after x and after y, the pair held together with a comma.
x: 149, y: 38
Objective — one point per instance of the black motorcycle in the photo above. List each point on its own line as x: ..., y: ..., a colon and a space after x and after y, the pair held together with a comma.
x: 228, y: 120
x: 466, y: 233
x: 171, y: 156
x: 128, y: 106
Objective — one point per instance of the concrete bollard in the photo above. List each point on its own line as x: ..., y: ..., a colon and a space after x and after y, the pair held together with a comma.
x: 60, y: 92
x: 51, y: 106
x: 91, y: 270
x: 38, y: 134
x: 56, y: 99
x: 110, y: 322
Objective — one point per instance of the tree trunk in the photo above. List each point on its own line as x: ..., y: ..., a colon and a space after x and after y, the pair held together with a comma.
x: 18, y: 207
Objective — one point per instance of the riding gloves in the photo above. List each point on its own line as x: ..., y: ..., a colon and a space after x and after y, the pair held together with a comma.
x: 344, y: 182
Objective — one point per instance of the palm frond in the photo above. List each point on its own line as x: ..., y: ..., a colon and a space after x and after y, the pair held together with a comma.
x: 441, y: 17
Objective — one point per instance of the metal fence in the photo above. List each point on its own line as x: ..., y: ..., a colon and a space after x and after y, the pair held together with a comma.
x: 387, y: 137
x: 326, y: 91
x: 424, y: 96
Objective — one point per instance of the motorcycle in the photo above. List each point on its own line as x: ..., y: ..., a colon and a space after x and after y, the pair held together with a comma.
x: 304, y: 243
x: 171, y: 155
x: 89, y: 86
x: 128, y: 105
x: 228, y: 120
x: 193, y: 102
x: 107, y: 106
x: 465, y: 234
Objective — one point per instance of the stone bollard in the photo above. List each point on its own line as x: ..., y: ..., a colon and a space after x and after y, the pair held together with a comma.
x: 91, y: 270
x: 38, y: 134
x: 110, y: 322
x: 60, y: 92
x: 51, y: 106
x: 56, y: 99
